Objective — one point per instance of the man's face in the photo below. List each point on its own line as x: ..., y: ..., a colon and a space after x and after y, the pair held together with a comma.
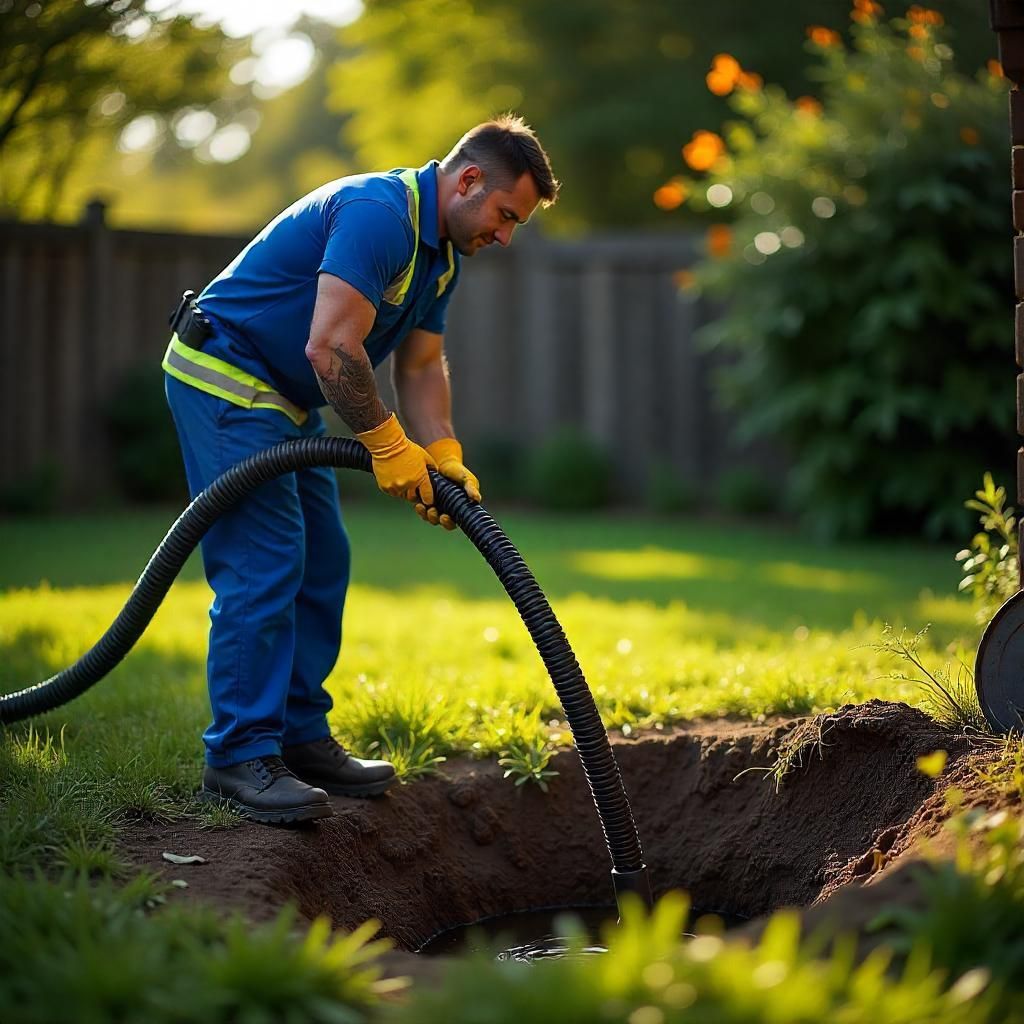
x: 478, y: 216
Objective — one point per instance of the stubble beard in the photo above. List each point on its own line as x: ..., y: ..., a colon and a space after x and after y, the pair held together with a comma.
x: 461, y: 229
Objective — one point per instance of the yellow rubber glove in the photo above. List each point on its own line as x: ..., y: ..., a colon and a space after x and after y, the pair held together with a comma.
x: 447, y: 453
x: 399, y: 465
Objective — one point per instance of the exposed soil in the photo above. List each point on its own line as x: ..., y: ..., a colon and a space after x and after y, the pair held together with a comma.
x: 467, y: 844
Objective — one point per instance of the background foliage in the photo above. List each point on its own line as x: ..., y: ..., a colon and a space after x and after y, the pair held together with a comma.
x: 610, y: 89
x: 861, y: 243
x: 73, y: 75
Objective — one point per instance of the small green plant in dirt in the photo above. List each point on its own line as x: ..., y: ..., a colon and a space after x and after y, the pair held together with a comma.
x: 799, y: 744
x: 971, y: 917
x: 413, y: 756
x: 525, y: 763
x: 93, y: 952
x: 1004, y: 771
x: 407, y: 725
x: 990, y: 564
x: 950, y: 699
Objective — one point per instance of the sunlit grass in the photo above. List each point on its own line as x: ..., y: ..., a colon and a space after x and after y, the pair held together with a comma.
x: 437, y: 663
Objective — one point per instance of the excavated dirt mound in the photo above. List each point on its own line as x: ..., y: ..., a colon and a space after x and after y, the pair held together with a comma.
x: 467, y: 844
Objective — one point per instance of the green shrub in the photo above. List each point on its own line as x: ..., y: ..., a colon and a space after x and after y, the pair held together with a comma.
x: 93, y: 953
x: 971, y: 917
x: 569, y: 472
x: 500, y: 463
x: 746, y: 492
x: 649, y: 976
x: 147, y: 459
x: 862, y: 251
x: 36, y: 493
x: 990, y: 564
x: 668, y: 493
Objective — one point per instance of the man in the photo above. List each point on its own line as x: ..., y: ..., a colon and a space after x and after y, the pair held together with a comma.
x: 358, y: 269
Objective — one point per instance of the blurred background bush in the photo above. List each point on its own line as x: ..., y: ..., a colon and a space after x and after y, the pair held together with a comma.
x: 860, y: 246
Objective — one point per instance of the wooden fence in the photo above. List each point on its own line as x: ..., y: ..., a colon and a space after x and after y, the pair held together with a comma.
x: 594, y: 333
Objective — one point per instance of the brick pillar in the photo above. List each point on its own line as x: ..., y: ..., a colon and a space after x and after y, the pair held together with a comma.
x: 1007, y: 20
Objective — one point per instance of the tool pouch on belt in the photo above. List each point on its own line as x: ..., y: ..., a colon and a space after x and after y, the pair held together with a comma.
x: 188, y: 322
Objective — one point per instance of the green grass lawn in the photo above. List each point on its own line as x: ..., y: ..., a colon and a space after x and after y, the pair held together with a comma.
x: 669, y: 620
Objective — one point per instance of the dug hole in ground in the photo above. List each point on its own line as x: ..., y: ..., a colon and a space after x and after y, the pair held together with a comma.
x: 835, y: 835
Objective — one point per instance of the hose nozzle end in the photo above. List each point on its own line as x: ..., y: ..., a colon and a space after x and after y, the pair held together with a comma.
x: 636, y: 882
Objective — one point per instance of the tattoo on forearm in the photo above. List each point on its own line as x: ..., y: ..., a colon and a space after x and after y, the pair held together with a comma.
x: 350, y: 387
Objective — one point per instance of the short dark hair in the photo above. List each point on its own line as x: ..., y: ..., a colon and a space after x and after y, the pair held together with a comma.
x: 505, y: 149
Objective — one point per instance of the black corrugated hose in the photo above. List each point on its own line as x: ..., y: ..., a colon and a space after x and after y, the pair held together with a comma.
x: 628, y: 871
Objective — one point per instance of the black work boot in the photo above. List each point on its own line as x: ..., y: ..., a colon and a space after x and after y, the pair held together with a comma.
x: 263, y: 789
x: 327, y: 764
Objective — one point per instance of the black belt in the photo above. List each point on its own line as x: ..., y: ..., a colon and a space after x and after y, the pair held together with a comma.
x: 189, y: 323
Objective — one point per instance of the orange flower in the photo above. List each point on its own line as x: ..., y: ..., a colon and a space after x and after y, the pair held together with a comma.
x: 703, y: 150
x: 684, y: 279
x: 918, y: 31
x: 821, y: 36
x: 670, y: 195
x: 808, y: 105
x: 724, y: 74
x: 915, y: 53
x: 970, y: 135
x: 719, y: 240
x: 719, y: 84
x: 865, y: 11
x: 727, y: 64
x: 995, y: 69
x: 924, y: 16
x: 750, y: 81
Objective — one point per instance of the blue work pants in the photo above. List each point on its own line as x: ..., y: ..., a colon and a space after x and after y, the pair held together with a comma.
x: 278, y: 564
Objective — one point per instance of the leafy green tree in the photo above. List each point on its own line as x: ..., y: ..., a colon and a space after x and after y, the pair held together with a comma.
x: 74, y: 74
x: 861, y: 247
x: 610, y: 86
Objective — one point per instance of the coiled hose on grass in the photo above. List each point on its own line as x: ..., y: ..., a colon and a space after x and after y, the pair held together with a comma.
x: 628, y: 871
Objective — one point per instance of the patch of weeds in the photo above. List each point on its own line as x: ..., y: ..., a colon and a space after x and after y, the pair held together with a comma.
x: 950, y: 699
x: 649, y: 976
x: 414, y: 757
x: 506, y: 725
x: 972, y: 916
x: 799, y: 744
x: 1005, y: 773
x: 219, y: 815
x: 528, y: 764
x: 990, y: 564
x: 98, y: 952
x: 411, y: 727
x: 82, y: 856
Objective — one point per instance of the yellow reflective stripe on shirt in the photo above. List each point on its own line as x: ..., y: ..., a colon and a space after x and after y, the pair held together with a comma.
x: 216, y: 377
x: 398, y: 290
x: 442, y: 281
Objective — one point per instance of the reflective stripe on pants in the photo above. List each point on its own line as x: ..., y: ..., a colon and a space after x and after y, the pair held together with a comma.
x: 216, y: 377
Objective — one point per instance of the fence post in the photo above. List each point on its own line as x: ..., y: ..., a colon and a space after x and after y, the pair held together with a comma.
x: 540, y: 382
x: 99, y: 310
x: 1007, y: 20
x: 600, y: 409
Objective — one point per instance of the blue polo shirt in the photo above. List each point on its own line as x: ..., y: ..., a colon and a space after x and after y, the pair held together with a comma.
x: 356, y: 228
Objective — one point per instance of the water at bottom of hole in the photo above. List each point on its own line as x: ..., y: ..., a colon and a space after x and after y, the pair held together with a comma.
x: 528, y: 935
